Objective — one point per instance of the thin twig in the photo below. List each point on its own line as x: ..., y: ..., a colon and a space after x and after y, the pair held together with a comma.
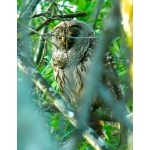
x: 72, y: 37
x: 97, y: 12
x: 30, y: 9
x: 45, y: 14
x: 44, y: 36
x: 80, y: 14
x: 41, y: 49
x: 58, y: 17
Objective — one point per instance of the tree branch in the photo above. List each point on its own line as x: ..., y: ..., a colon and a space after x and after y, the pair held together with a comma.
x: 89, y: 134
x: 55, y: 17
x: 80, y: 14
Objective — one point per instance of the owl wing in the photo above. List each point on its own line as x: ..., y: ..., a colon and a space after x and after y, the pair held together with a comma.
x: 110, y: 77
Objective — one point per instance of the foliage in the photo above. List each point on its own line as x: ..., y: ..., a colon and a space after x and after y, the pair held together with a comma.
x: 59, y: 126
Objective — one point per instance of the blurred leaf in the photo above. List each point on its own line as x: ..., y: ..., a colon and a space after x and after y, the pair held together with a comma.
x: 127, y: 15
x: 105, y: 10
x: 67, y: 133
x: 19, y: 2
x: 123, y: 72
x: 116, y: 46
x: 109, y: 129
x: 54, y: 84
x: 82, y: 4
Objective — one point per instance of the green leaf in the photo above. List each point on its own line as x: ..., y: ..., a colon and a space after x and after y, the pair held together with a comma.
x: 122, y: 72
x: 116, y: 45
x: 105, y: 10
x: 82, y: 4
x: 67, y: 133
x: 54, y: 84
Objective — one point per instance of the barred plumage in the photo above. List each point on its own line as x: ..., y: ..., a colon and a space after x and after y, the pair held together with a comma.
x: 72, y: 53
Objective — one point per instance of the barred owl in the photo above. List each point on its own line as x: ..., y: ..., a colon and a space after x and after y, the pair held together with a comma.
x: 74, y: 46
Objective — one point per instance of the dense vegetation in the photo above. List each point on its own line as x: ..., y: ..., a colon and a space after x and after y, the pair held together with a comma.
x: 40, y: 124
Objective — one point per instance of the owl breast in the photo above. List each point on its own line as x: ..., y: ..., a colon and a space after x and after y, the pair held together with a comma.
x: 71, y: 81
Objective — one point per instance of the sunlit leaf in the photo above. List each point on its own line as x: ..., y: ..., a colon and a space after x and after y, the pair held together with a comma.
x: 82, y: 4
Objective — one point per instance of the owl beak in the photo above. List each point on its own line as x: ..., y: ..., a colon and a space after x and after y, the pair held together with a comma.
x: 65, y: 42
x: 62, y: 42
x: 63, y: 39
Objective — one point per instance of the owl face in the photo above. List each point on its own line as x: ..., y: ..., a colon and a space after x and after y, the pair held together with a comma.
x: 69, y: 38
x: 66, y: 38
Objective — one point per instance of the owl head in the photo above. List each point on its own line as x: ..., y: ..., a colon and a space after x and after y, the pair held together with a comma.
x: 73, y: 40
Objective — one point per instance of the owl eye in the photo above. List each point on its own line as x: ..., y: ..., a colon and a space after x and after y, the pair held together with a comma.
x: 74, y: 31
x: 59, y: 38
x: 59, y: 34
x: 74, y: 34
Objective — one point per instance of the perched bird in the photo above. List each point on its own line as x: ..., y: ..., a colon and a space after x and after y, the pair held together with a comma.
x: 73, y: 49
